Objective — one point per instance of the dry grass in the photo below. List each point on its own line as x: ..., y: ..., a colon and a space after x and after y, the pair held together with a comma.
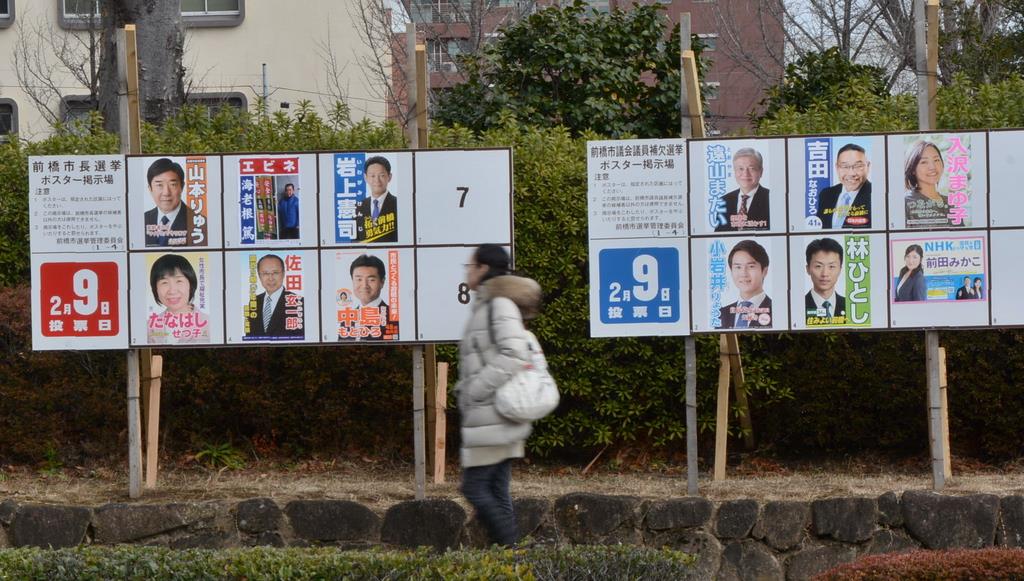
x: 379, y: 486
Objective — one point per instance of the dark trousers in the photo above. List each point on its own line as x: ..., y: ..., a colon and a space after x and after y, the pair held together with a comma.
x: 289, y: 233
x: 487, y: 489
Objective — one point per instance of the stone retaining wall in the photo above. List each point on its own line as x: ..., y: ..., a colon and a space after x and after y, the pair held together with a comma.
x: 735, y: 539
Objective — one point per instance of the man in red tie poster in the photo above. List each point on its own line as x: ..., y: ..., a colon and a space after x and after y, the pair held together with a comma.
x: 377, y: 216
x: 746, y: 208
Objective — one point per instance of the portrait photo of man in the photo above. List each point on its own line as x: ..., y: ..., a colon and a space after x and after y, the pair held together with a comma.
x: 847, y: 204
x: 748, y: 267
x: 967, y: 291
x: 822, y: 304
x: 171, y: 222
x: 288, y: 213
x: 377, y: 214
x: 368, y: 318
x: 278, y: 312
x: 746, y: 208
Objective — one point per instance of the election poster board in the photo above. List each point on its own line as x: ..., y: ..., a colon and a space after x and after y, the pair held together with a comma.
x: 272, y: 296
x: 737, y: 185
x: 834, y: 281
x: 636, y: 205
x: 837, y: 183
x: 938, y: 180
x: 740, y: 283
x: 210, y: 250
x: 174, y: 202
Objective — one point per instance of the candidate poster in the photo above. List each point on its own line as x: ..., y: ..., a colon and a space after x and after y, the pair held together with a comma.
x: 636, y: 188
x: 740, y: 283
x: 937, y: 180
x: 174, y: 202
x: 938, y: 279
x: 836, y: 183
x: 177, y: 298
x: 270, y: 200
x: 368, y: 295
x: 369, y: 198
x: 76, y: 203
x: 272, y: 296
x: 838, y: 281
x: 79, y: 301
x: 464, y: 196
x: 737, y: 185
x: 1006, y: 170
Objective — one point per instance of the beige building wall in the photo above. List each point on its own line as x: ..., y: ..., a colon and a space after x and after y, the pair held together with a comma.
x: 290, y: 37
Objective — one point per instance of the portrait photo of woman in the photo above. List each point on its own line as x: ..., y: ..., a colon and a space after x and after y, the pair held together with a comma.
x: 910, y: 285
x: 924, y: 205
x: 173, y: 283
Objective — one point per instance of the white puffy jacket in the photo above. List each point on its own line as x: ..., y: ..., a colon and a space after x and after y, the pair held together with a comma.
x: 485, y: 364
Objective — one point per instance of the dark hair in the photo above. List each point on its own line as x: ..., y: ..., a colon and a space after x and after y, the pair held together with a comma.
x: 289, y: 185
x: 849, y: 147
x: 495, y: 258
x: 967, y: 278
x: 755, y: 250
x: 920, y: 252
x: 167, y: 265
x: 824, y: 245
x: 266, y: 256
x: 368, y: 260
x: 977, y: 279
x: 380, y: 160
x: 913, y: 158
x: 164, y: 165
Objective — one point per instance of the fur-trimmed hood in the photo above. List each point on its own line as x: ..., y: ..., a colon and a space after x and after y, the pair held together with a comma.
x: 524, y: 292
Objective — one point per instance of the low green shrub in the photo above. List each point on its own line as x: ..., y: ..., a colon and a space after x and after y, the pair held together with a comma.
x: 953, y: 565
x: 157, y: 564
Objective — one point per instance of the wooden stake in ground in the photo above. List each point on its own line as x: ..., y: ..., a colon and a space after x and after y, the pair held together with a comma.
x: 438, y: 444
x: 722, y: 411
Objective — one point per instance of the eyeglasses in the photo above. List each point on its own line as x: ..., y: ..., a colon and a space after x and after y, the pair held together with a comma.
x: 860, y: 165
x: 271, y: 273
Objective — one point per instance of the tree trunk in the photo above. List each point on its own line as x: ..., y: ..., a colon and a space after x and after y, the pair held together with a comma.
x: 160, y: 38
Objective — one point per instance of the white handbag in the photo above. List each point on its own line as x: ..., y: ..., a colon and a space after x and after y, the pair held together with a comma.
x: 531, y: 393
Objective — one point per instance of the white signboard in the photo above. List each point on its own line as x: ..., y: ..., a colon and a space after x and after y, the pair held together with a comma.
x: 444, y: 299
x: 76, y: 203
x: 1006, y: 168
x: 464, y: 197
x: 78, y: 301
x: 636, y: 188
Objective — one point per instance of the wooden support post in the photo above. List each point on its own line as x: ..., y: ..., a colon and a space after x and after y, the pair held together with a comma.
x: 417, y: 421
x: 422, y: 82
x: 932, y: 16
x: 151, y: 407
x: 947, y: 464
x: 739, y: 386
x: 438, y: 445
x: 411, y: 132
x: 696, y: 108
x: 722, y: 411
x: 691, y: 415
x: 430, y: 390
x: 931, y: 339
x: 134, y: 427
x: 684, y: 97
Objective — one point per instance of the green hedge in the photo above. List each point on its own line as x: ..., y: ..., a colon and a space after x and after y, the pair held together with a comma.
x: 159, y: 564
x: 952, y: 565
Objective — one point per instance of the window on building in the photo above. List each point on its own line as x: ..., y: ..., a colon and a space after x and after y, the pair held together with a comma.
x: 213, y: 102
x: 75, y: 112
x: 80, y: 9
x: 441, y: 55
x: 711, y: 90
x: 201, y: 13
x: 5, y: 8
x: 439, y: 10
x: 8, y: 118
x: 709, y: 40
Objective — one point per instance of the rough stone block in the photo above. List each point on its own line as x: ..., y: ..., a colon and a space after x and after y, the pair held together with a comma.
x: 1011, y: 521
x: 678, y: 513
x: 747, y: 559
x: 205, y: 539
x: 782, y: 523
x: 126, y: 523
x: 699, y: 543
x: 597, y: 519
x: 7, y: 510
x: 886, y: 541
x: 268, y: 539
x: 850, y: 520
x: 946, y: 522
x: 533, y: 519
x: 49, y: 526
x: 257, y: 515
x: 433, y: 523
x: 735, y: 518
x: 333, y: 520
x: 890, y: 510
x: 808, y: 562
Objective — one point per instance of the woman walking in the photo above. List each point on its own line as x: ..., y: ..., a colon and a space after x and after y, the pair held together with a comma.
x: 493, y: 349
